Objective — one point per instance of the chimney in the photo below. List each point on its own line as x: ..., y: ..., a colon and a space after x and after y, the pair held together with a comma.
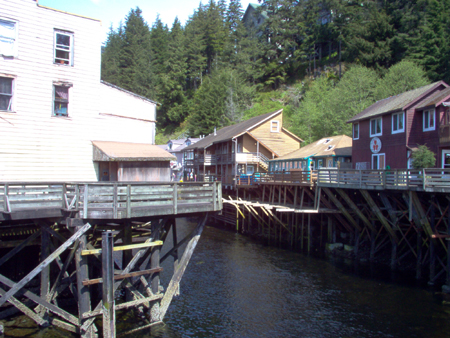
x: 215, y: 131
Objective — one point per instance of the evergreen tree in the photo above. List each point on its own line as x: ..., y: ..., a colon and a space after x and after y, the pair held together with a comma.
x: 110, y: 56
x: 134, y: 57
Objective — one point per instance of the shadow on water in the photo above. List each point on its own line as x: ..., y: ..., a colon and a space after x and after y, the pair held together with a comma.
x: 235, y: 287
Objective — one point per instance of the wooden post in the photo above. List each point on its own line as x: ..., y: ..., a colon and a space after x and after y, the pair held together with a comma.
x: 302, y: 231
x: 154, y: 279
x: 393, y: 255
x: 109, y: 313
x: 81, y: 262
x: 372, y: 241
x: 432, y: 245
x: 127, y: 255
x: 309, y: 233
x: 45, y: 274
x: 419, y: 255
x: 448, y: 248
x: 330, y: 228
x: 175, y: 252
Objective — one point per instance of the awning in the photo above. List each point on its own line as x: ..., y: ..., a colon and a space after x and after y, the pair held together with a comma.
x: 123, y: 152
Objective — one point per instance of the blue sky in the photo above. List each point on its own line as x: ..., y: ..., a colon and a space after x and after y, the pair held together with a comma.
x: 111, y: 12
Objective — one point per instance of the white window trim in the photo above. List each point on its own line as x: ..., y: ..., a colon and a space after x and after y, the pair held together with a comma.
x: 381, y: 127
x: 70, y: 34
x: 274, y: 123
x: 434, y: 119
x: 13, y: 94
x: 66, y: 85
x: 355, y: 124
x: 402, y: 114
x: 15, y: 50
x: 378, y: 155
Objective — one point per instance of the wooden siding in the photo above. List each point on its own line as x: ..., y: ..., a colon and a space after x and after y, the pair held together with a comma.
x: 280, y: 142
x: 393, y: 145
x: 34, y: 145
x: 144, y: 171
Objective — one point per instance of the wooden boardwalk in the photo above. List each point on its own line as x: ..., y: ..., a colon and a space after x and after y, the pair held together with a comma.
x: 111, y: 200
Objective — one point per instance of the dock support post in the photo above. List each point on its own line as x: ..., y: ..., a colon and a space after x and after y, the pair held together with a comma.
x: 84, y: 298
x: 45, y: 274
x: 154, y: 279
x: 372, y: 241
x: 432, y: 245
x: 309, y: 233
x: 419, y: 255
x: 109, y: 313
x: 127, y: 255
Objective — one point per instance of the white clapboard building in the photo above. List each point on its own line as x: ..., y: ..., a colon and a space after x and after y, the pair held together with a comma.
x: 55, y: 112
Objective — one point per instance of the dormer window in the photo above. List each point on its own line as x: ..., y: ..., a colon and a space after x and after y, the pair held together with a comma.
x: 428, y: 120
x: 328, y: 140
x: 330, y: 147
x: 274, y: 126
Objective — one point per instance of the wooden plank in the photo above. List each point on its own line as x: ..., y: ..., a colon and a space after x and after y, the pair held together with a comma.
x: 46, y: 262
x: 109, y: 311
x: 123, y: 247
x: 119, y: 277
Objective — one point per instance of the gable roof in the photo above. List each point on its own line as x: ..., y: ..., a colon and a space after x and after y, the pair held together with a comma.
x: 396, y: 103
x: 341, y: 145
x: 230, y: 132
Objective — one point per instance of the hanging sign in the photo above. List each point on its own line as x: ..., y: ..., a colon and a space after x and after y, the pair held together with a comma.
x: 375, y: 145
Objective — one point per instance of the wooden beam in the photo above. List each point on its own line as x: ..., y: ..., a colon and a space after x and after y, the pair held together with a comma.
x: 45, y: 263
x: 123, y: 247
x: 109, y: 311
x: 342, y: 209
x: 172, y: 288
x: 120, y: 277
x: 355, y: 208
x: 374, y: 207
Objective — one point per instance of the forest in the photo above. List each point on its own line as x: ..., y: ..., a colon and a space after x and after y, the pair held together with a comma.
x: 322, y: 61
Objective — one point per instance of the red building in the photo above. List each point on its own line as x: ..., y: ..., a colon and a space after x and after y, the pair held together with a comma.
x: 387, y: 132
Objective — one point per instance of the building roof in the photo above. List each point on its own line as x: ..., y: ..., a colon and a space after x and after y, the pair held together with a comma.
x: 340, y: 145
x: 124, y: 151
x: 396, y: 103
x: 230, y: 132
x: 435, y: 99
x: 128, y: 92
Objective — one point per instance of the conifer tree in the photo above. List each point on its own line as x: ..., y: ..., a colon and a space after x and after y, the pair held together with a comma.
x: 110, y: 56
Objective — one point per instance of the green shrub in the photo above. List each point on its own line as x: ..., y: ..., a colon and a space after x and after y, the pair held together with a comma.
x: 423, y: 157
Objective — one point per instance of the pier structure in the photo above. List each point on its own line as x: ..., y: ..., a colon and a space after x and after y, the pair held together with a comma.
x: 69, y: 250
x: 401, y: 217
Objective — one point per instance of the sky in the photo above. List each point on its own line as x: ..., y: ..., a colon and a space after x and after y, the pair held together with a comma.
x: 111, y: 12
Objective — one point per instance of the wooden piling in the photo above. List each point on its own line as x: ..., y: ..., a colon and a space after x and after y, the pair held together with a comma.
x: 109, y: 312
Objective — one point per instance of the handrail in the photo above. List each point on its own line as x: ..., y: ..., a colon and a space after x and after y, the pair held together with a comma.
x: 113, y: 200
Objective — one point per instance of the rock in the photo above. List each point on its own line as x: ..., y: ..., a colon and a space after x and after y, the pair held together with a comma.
x: 334, y: 246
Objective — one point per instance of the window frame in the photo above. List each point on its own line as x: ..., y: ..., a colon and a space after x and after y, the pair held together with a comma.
x: 398, y: 130
x: 276, y: 124
x: 15, y: 49
x: 357, y: 130
x: 57, y: 60
x: 11, y: 100
x: 381, y: 126
x: 56, y: 85
x: 428, y: 119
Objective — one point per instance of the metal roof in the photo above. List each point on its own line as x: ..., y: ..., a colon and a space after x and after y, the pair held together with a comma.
x: 340, y: 145
x: 123, y: 151
x: 395, y: 103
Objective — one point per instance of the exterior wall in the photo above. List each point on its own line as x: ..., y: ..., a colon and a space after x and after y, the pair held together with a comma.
x: 280, y: 142
x: 36, y: 146
x: 392, y: 145
x: 144, y: 171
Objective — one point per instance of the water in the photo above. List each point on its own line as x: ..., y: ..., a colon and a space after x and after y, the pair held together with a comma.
x: 235, y: 287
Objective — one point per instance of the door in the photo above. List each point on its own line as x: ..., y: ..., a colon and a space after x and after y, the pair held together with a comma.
x: 446, y: 159
x: 378, y: 161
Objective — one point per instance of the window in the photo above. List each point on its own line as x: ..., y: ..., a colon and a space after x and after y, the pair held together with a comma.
x: 6, y: 93
x: 330, y: 163
x: 63, y: 48
x: 189, y: 155
x: 376, y: 127
x: 378, y: 161
x: 8, y: 38
x: 356, y: 131
x: 274, y: 127
x: 61, y: 101
x: 398, y: 123
x: 319, y: 164
x: 428, y: 120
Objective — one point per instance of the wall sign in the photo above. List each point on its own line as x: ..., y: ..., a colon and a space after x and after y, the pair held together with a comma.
x: 375, y: 145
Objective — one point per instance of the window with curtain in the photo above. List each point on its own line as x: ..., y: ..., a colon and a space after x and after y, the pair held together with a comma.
x: 61, y: 101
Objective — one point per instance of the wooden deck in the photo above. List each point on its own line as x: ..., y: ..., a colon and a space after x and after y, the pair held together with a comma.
x: 107, y: 200
x: 430, y: 180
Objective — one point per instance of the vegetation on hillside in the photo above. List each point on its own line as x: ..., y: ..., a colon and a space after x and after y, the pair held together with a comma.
x: 215, y: 71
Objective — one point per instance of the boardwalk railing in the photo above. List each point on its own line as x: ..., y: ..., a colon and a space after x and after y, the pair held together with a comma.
x: 399, y: 179
x: 292, y: 176
x: 108, y: 200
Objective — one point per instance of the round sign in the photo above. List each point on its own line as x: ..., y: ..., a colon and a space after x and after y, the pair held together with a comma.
x: 375, y: 145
